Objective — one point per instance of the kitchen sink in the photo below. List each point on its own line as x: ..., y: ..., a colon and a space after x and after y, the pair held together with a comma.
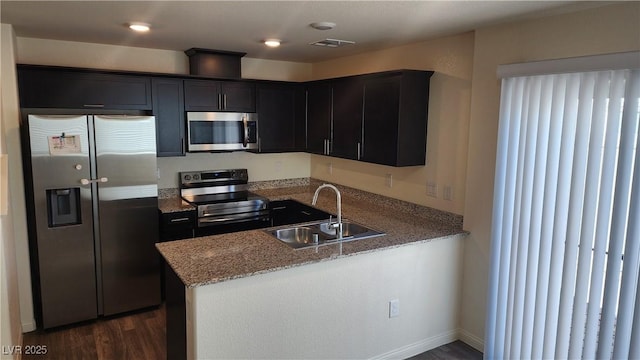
x: 321, y: 233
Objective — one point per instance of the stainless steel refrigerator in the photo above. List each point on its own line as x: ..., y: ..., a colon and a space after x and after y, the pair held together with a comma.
x: 92, y: 184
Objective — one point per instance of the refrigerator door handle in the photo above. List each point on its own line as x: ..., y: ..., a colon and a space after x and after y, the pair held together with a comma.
x: 89, y: 181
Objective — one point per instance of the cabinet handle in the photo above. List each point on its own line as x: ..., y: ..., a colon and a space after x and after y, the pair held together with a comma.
x: 358, y: 151
x: 94, y: 105
x: 326, y: 147
x: 179, y: 220
x: 220, y: 107
x: 224, y: 101
x: 245, y: 141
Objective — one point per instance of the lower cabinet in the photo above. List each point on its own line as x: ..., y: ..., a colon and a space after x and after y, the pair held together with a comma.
x: 177, y: 225
x: 285, y: 212
x: 176, y: 315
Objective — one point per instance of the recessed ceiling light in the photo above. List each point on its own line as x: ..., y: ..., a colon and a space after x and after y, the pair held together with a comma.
x: 323, y: 25
x: 140, y: 27
x: 272, y: 42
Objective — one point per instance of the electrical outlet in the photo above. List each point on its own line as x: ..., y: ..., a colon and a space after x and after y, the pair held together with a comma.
x: 330, y: 168
x: 447, y: 193
x: 394, y: 308
x: 389, y: 180
x: 432, y: 189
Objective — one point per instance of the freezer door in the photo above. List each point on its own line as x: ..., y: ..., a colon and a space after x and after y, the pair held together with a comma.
x: 128, y: 208
x: 64, y: 243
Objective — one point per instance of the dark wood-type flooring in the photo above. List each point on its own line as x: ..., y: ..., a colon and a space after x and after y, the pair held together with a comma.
x: 138, y: 335
x: 142, y: 335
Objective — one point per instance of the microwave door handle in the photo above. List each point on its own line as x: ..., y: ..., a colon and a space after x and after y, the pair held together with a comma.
x: 245, y: 141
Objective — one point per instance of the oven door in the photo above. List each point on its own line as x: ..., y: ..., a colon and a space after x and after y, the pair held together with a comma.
x: 222, y: 131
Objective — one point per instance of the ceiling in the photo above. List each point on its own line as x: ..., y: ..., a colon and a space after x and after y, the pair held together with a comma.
x: 242, y: 25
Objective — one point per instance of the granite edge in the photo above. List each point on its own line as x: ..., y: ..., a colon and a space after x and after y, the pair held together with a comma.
x: 315, y: 261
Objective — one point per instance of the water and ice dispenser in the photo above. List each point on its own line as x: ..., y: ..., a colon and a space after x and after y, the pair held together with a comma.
x: 63, y: 207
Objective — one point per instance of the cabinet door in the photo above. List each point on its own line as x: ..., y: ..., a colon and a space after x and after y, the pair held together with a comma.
x: 318, y: 117
x: 238, y: 96
x: 347, y: 118
x: 168, y: 108
x: 59, y: 88
x: 276, y: 117
x: 201, y: 95
x: 205, y: 95
x: 380, y: 124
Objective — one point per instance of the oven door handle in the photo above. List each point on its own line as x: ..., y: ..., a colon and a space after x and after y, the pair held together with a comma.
x: 245, y: 141
x: 215, y: 220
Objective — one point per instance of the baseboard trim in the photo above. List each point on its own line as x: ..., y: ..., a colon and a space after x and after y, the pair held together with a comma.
x: 29, y: 326
x: 471, y: 340
x: 420, y: 346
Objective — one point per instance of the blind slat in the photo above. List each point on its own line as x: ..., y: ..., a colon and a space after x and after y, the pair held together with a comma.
x: 576, y: 198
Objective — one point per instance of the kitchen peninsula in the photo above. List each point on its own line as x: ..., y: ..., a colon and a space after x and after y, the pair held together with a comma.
x: 247, y: 295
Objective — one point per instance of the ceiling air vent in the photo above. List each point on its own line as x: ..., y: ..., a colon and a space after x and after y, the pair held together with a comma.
x: 332, y: 43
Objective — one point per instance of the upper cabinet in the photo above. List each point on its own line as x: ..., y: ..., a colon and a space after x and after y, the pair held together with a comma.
x: 69, y: 89
x: 348, y: 98
x: 210, y: 95
x: 319, y: 108
x: 395, y: 118
x: 379, y: 118
x: 281, y: 117
x: 168, y: 109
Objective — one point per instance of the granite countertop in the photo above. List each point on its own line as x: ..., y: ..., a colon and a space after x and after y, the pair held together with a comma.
x: 211, y: 259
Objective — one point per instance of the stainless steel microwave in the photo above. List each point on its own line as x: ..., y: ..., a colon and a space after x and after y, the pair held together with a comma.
x: 220, y: 131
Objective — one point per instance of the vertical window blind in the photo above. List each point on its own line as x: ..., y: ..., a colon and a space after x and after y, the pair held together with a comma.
x: 565, y: 250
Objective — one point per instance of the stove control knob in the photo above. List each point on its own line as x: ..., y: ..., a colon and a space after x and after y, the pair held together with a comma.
x: 187, y: 177
x: 196, y: 177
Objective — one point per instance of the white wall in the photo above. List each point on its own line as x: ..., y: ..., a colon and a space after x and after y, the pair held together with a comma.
x: 602, y: 30
x: 447, y: 130
x: 12, y: 236
x: 335, y: 309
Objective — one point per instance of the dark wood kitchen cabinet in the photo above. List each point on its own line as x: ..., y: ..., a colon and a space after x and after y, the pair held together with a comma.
x: 168, y: 108
x: 395, y: 118
x: 211, y: 95
x: 281, y: 117
x: 319, y: 103
x: 348, y: 96
x: 64, y: 88
x: 177, y: 225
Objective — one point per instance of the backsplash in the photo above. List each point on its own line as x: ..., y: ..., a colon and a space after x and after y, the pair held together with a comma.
x: 256, y: 185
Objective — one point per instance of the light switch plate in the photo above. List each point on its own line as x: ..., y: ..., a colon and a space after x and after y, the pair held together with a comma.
x: 394, y: 308
x: 432, y: 189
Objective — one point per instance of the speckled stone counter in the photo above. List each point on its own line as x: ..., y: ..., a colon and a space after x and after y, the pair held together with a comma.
x: 218, y: 258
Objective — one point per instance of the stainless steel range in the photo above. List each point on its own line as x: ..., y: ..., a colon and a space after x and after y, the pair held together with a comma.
x: 223, y: 201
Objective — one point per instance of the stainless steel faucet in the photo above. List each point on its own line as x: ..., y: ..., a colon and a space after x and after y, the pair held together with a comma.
x: 337, y: 225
